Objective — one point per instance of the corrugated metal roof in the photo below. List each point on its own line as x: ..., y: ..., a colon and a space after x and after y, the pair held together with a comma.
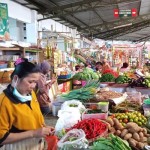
x: 97, y: 17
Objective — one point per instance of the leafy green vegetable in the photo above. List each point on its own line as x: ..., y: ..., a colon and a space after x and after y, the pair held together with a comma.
x: 86, y: 74
x: 107, y: 78
x: 111, y: 143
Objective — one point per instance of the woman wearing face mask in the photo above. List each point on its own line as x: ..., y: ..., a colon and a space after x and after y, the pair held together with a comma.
x: 42, y: 89
x: 21, y: 121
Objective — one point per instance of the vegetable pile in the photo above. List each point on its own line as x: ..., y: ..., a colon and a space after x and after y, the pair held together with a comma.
x: 92, y: 127
x: 122, y: 79
x: 107, y: 78
x: 134, y: 134
x: 140, y: 82
x: 135, y: 116
x: 111, y: 143
x: 112, y: 72
x: 86, y: 74
x: 83, y: 94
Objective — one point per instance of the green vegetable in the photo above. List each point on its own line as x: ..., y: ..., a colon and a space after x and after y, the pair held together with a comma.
x: 93, y: 111
x: 87, y: 74
x: 107, y: 78
x: 111, y: 143
x: 122, y: 79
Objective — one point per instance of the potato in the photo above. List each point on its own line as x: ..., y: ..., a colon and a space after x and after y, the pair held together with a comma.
x: 110, y: 121
x: 144, y: 131
x: 109, y: 127
x: 133, y: 127
x: 136, y: 136
x: 132, y: 130
x: 127, y: 136
x: 118, y: 132
x: 141, y: 135
x: 140, y: 145
x: 144, y: 139
x: 124, y: 132
x: 132, y: 142
x: 117, y: 124
x: 131, y: 124
x: 112, y: 130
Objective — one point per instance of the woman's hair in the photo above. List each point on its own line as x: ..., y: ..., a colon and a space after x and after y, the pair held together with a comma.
x: 44, y: 66
x: 99, y: 63
x: 23, y: 69
x: 125, y: 65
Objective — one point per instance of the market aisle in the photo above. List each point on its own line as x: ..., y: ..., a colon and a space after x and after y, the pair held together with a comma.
x: 50, y: 120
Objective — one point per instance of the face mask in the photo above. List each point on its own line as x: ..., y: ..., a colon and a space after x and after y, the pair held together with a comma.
x: 19, y: 96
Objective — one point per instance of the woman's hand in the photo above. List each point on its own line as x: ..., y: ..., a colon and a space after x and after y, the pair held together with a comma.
x: 43, y: 132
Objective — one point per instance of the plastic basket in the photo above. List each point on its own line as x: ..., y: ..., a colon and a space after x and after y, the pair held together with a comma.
x: 102, y: 116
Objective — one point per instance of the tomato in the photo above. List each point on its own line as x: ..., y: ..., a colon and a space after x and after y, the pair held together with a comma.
x: 125, y: 120
x: 113, y: 115
x: 93, y: 107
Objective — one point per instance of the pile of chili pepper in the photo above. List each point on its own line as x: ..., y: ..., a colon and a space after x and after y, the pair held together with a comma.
x: 92, y: 127
x: 110, y: 71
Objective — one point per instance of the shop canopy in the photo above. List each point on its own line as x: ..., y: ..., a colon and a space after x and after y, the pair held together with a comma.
x: 98, y: 18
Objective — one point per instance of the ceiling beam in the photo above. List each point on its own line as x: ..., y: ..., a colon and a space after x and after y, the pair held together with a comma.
x: 142, y: 39
x: 112, y: 25
x: 124, y: 30
x: 83, y: 6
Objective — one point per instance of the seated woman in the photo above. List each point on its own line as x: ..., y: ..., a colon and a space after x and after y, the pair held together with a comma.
x: 21, y: 121
x: 124, y: 67
x: 42, y: 89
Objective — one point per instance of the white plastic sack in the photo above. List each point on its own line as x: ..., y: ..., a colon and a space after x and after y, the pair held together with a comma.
x: 74, y: 104
x: 73, y: 140
x: 67, y: 118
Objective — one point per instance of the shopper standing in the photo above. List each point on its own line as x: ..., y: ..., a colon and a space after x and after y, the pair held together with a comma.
x: 42, y: 89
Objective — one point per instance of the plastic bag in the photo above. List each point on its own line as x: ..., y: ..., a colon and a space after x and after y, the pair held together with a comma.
x: 73, y: 140
x: 67, y: 118
x: 74, y: 104
x: 51, y: 142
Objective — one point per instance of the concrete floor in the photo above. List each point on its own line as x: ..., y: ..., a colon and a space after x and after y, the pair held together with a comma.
x: 50, y: 120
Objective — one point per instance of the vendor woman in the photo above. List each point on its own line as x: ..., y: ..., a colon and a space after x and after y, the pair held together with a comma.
x: 21, y: 121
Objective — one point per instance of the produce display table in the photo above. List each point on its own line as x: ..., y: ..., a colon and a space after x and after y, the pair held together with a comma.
x: 125, y: 88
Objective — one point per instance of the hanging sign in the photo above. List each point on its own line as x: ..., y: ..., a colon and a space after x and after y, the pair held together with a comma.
x: 125, y: 13
x: 4, y: 27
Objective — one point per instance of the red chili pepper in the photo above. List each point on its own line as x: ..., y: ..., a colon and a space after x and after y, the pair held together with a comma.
x: 91, y: 127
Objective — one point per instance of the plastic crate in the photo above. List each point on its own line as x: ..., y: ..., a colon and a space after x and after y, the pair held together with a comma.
x: 64, y: 76
x: 102, y: 116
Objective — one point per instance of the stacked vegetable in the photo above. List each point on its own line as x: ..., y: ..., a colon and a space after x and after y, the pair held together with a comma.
x: 122, y: 79
x: 140, y: 82
x: 135, y: 116
x: 86, y: 74
x: 111, y: 143
x: 134, y: 134
x: 107, y: 78
x: 92, y: 127
x: 83, y: 94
